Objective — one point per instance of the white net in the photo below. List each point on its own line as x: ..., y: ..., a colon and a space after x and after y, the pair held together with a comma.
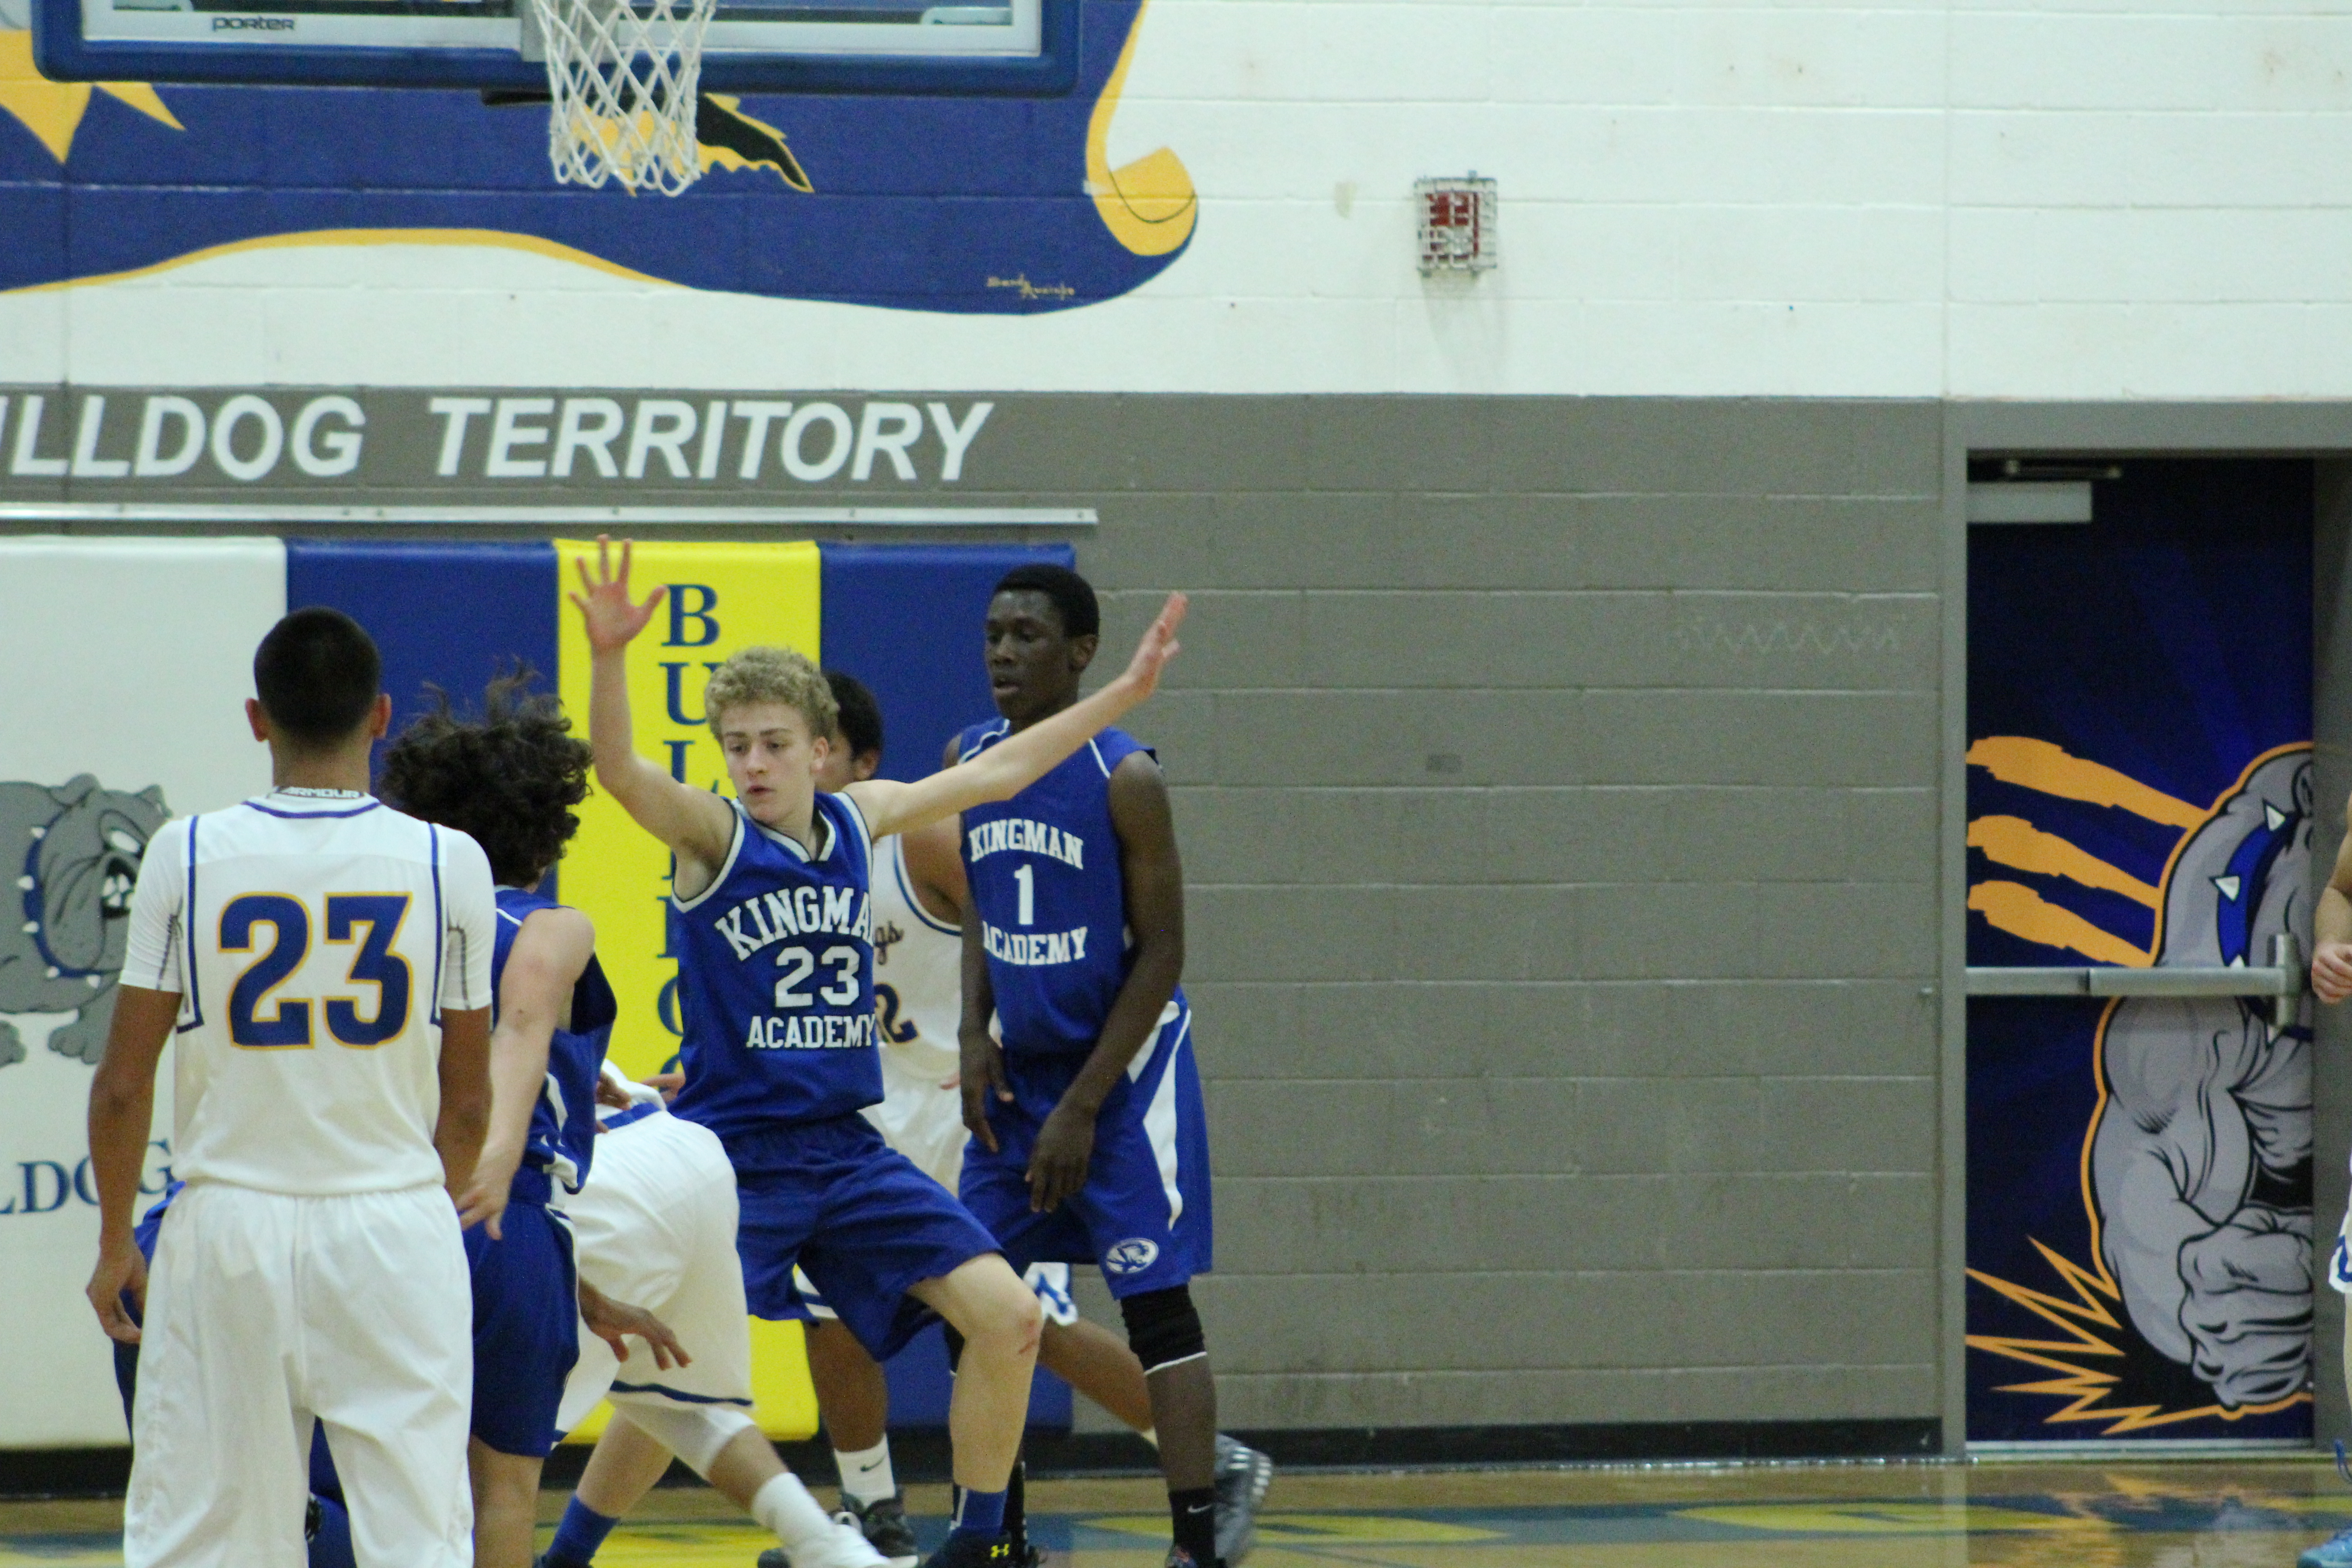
x: 624, y: 75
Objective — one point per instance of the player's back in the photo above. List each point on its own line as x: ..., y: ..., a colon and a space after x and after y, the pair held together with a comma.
x: 313, y: 939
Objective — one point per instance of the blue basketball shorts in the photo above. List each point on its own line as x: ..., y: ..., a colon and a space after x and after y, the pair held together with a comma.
x: 1143, y: 1214
x: 857, y: 1215
x: 525, y: 1322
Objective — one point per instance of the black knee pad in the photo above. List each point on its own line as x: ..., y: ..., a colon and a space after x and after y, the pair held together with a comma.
x: 1164, y: 1327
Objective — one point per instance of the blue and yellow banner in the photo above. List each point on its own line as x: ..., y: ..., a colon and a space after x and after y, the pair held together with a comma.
x: 175, y: 622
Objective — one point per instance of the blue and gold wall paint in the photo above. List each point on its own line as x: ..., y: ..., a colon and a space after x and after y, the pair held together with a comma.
x: 966, y: 205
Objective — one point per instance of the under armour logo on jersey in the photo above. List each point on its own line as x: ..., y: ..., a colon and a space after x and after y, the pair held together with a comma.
x: 1132, y: 1256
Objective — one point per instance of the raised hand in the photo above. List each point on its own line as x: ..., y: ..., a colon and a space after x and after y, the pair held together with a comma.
x: 611, y: 620
x: 1157, y: 647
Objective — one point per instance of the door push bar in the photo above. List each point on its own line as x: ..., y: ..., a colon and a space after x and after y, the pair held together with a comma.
x: 2283, y: 982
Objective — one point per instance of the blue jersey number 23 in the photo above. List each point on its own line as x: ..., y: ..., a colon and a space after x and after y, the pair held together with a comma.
x: 259, y: 1018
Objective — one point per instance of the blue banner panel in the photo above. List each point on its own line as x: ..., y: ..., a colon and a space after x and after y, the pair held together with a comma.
x: 2141, y: 1215
x: 905, y: 620
x: 451, y: 616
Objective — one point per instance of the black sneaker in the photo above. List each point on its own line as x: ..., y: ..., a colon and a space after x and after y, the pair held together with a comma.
x: 1243, y: 1476
x: 884, y: 1525
x: 963, y: 1551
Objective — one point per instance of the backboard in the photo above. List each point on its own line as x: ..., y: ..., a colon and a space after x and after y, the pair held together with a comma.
x: 1020, y: 48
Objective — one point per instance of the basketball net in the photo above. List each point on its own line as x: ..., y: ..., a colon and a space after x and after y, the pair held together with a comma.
x: 624, y: 74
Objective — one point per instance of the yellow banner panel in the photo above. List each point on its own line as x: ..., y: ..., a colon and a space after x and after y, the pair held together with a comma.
x: 720, y: 598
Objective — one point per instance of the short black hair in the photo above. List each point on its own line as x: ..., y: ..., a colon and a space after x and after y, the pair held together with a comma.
x: 860, y: 718
x: 317, y: 675
x: 1072, y: 597
x: 507, y: 779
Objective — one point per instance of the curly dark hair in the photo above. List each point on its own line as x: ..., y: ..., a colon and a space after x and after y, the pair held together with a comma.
x: 507, y: 778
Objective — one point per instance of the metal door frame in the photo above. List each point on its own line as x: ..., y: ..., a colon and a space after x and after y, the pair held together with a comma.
x: 2318, y: 431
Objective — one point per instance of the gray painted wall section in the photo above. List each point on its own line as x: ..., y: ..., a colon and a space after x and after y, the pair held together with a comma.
x: 1558, y: 782
x: 1571, y: 796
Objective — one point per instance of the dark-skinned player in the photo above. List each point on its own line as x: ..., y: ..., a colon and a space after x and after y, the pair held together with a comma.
x: 1089, y: 1144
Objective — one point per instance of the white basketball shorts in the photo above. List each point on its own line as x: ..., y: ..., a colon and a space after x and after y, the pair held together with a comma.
x: 266, y: 1312
x: 655, y: 1226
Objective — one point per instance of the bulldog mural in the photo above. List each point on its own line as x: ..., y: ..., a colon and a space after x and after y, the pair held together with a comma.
x: 76, y: 848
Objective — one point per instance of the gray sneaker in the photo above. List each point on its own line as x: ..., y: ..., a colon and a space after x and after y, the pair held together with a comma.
x: 1242, y: 1478
x: 885, y: 1526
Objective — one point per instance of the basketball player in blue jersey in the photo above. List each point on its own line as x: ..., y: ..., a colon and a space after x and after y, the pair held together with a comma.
x: 919, y: 900
x: 1088, y: 1138
x: 509, y: 781
x: 921, y: 904
x: 769, y: 914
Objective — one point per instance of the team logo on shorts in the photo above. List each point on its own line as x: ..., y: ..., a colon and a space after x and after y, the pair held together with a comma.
x: 1132, y: 1256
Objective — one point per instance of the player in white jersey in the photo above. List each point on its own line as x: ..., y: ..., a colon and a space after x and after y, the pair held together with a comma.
x: 325, y: 961
x: 655, y: 1223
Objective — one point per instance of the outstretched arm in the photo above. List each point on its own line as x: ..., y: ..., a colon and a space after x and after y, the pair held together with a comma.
x: 697, y: 825
x: 935, y: 868
x: 534, y: 999
x: 1015, y: 762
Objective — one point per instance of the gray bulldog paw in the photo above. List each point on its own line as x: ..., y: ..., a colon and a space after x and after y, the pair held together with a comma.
x: 84, y: 1039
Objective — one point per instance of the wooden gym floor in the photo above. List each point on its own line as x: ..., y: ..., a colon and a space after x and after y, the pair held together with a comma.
x: 2089, y: 1515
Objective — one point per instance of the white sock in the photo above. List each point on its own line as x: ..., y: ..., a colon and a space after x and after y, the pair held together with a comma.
x: 785, y: 1510
x: 1151, y: 1435
x: 866, y: 1475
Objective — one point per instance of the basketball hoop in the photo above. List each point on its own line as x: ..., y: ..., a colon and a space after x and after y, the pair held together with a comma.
x: 624, y: 75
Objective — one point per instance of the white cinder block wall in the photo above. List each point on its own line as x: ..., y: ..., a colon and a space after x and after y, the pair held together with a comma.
x: 2084, y: 198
